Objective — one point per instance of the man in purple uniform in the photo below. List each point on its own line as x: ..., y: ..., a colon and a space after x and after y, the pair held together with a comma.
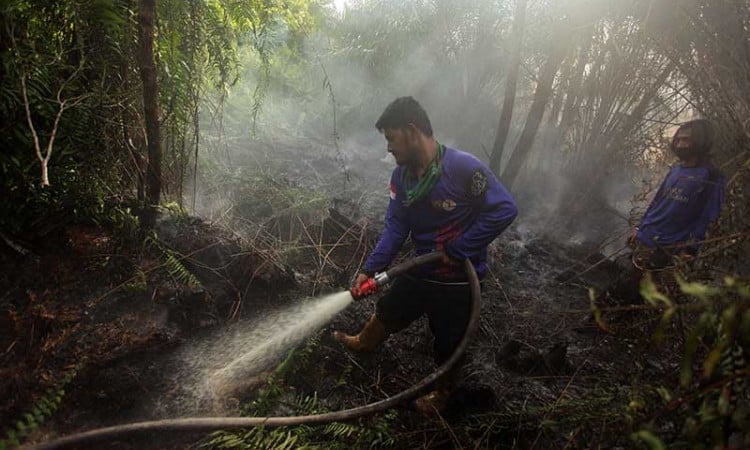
x: 447, y: 201
x: 687, y: 201
x: 675, y: 223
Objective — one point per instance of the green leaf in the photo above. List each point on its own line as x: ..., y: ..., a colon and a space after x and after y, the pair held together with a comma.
x: 691, y: 346
x: 666, y: 318
x: 38, y: 413
x: 647, y: 437
x: 664, y: 393
x: 713, y: 358
x: 30, y: 421
x: 651, y: 293
x: 21, y: 427
x: 698, y: 290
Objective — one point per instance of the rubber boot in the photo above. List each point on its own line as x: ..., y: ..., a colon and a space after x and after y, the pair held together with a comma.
x: 371, y: 335
x: 434, y: 402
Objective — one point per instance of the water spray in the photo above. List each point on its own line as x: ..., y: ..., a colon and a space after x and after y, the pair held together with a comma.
x: 242, y: 372
x: 272, y: 337
x: 209, y: 424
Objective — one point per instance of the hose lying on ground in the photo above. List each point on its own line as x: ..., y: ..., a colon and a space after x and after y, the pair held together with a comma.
x: 207, y: 424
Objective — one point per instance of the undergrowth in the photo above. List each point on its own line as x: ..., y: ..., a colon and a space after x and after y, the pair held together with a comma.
x: 42, y: 408
x: 703, y: 405
x: 708, y: 404
x: 373, y: 432
x: 173, y: 262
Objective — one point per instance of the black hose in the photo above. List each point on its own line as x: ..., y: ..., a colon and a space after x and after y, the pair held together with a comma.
x: 406, y: 266
x: 206, y: 424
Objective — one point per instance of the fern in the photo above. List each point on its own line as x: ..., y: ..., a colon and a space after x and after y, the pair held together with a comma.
x: 139, y: 282
x: 42, y: 409
x: 377, y: 432
x: 173, y: 263
x: 269, y: 395
x: 178, y: 271
x: 345, y: 374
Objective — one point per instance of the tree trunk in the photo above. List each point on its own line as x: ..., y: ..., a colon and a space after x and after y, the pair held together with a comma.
x: 575, y: 84
x: 45, y: 172
x: 538, y: 105
x: 510, y: 88
x: 147, y: 64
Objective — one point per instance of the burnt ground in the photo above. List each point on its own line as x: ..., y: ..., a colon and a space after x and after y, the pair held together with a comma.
x: 102, y: 317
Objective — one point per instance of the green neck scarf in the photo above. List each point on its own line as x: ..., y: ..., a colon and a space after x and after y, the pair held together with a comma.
x: 428, y: 180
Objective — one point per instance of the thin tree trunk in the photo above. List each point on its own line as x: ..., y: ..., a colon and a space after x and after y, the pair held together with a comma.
x: 538, y: 105
x: 146, y: 20
x: 510, y: 88
x: 63, y: 105
x: 131, y: 140
x: 575, y: 85
x: 196, y: 104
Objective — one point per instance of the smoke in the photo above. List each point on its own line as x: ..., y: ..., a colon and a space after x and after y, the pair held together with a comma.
x: 361, y: 59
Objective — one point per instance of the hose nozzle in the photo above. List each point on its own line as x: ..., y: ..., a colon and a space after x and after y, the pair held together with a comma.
x: 370, y: 286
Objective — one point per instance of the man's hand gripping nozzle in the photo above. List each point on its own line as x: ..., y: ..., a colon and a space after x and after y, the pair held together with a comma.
x: 370, y: 286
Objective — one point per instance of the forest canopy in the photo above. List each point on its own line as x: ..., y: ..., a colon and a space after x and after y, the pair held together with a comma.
x: 596, y: 86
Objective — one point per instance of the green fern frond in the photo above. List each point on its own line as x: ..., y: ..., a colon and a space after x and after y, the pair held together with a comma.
x: 43, y: 408
x: 173, y: 263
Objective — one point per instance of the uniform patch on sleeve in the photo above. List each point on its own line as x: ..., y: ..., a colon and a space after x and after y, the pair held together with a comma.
x: 393, y: 192
x: 478, y: 183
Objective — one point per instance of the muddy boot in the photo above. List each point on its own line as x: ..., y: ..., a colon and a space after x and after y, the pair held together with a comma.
x: 371, y: 335
x: 432, y: 404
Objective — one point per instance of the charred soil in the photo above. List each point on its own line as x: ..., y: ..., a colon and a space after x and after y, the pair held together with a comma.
x: 114, y: 315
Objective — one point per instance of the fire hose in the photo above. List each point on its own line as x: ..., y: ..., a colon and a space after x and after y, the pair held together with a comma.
x: 208, y: 424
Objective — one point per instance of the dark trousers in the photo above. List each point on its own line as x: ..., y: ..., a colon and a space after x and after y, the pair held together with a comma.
x: 447, y: 307
x: 655, y: 260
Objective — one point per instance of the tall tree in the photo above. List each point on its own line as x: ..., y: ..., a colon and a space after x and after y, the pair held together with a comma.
x: 536, y: 112
x: 147, y: 65
x: 506, y: 113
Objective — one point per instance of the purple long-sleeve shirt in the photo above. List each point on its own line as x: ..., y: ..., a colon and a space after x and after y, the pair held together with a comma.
x: 463, y: 212
x: 687, y: 201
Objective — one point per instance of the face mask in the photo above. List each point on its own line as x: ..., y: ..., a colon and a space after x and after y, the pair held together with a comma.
x: 686, y: 153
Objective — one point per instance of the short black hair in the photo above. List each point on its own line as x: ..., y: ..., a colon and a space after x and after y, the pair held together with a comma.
x: 702, y: 135
x: 403, y: 111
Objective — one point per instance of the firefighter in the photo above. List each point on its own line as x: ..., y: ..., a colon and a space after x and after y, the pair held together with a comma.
x: 447, y: 201
x: 688, y: 200
x: 676, y: 220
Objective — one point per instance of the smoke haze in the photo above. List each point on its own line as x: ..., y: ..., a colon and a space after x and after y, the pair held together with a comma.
x: 454, y: 61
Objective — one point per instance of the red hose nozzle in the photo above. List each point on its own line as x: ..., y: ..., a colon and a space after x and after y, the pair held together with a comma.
x: 369, y: 287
